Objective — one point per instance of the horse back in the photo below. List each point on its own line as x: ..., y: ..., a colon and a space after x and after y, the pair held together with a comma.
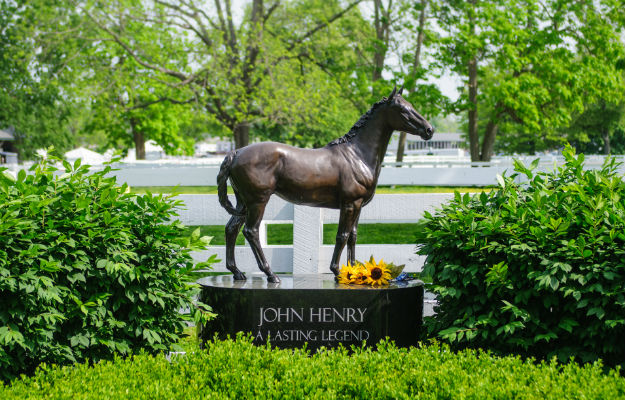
x: 324, y: 177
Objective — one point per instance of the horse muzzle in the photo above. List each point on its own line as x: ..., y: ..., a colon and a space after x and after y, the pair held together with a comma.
x: 427, y: 133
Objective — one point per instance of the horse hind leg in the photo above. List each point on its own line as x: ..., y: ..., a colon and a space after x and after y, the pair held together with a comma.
x: 252, y: 225
x: 232, y: 231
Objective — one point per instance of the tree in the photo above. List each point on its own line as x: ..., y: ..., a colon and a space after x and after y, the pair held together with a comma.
x: 416, y: 68
x: 592, y: 130
x: 394, y: 44
x: 129, y: 125
x: 31, y: 101
x: 386, y: 16
x: 119, y: 99
x: 115, y: 98
x: 226, y: 63
x: 307, y: 99
x: 528, y: 64
x: 131, y: 105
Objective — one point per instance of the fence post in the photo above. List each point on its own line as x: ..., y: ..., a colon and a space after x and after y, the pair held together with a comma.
x: 307, y: 239
x: 262, y: 233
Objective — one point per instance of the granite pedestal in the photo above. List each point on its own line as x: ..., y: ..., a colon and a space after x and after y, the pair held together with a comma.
x: 312, y: 309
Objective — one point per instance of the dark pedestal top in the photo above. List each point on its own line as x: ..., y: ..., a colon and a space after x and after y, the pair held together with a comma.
x: 300, y: 282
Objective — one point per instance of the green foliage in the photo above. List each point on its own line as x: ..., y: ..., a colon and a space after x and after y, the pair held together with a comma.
x: 30, y: 98
x: 239, y: 370
x: 300, y: 71
x: 537, y: 267
x: 275, y: 67
x: 594, y: 129
x: 217, y: 232
x: 125, y: 125
x: 314, y: 120
x: 617, y: 141
x: 87, y: 270
x: 536, y: 65
x: 304, y: 100
x: 129, y: 103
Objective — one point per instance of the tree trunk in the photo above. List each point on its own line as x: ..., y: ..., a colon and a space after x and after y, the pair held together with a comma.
x: 378, y: 65
x: 474, y: 139
x: 606, y: 142
x: 381, y: 23
x: 241, y: 133
x: 489, y: 141
x: 253, y: 45
x: 401, y: 146
x: 139, y: 139
x: 420, y: 37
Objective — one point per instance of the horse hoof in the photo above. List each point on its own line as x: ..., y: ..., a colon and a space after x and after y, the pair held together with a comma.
x: 239, y: 276
x: 273, y: 279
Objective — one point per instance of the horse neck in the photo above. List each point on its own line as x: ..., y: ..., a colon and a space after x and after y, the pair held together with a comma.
x: 372, y: 140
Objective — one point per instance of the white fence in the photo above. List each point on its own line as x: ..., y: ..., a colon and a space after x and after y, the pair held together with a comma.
x: 415, y: 170
x: 207, y: 176
x: 308, y: 254
x: 421, y: 171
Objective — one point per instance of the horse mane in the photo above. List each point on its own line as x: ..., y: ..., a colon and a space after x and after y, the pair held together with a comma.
x: 359, y: 124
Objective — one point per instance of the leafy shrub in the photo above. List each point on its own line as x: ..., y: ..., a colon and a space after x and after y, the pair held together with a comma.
x: 240, y: 370
x: 536, y: 267
x: 87, y: 270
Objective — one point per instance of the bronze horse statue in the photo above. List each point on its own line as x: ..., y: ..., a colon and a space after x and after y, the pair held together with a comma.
x: 342, y: 175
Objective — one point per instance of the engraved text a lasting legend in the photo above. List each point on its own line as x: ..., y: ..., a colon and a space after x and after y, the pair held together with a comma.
x: 313, y: 315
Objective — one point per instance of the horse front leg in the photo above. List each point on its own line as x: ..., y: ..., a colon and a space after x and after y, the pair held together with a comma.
x: 252, y: 224
x: 346, y: 223
x: 351, y: 241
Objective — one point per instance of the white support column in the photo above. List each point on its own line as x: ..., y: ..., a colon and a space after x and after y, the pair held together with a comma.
x: 307, y: 239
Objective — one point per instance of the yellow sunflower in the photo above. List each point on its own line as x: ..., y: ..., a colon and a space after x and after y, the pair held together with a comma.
x: 377, y: 274
x: 347, y: 274
x: 360, y: 274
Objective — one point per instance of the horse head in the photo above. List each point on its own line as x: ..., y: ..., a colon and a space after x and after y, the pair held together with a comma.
x: 403, y: 117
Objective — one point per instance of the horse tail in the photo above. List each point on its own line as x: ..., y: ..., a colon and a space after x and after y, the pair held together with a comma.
x: 222, y: 185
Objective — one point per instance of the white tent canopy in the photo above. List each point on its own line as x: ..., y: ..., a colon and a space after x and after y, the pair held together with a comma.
x: 88, y: 156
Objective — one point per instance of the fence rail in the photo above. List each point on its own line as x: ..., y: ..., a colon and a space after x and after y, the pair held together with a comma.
x: 308, y: 254
x: 421, y: 170
x: 420, y: 176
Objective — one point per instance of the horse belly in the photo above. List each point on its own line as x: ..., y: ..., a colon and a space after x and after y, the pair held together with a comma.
x: 314, y: 198
x: 312, y: 182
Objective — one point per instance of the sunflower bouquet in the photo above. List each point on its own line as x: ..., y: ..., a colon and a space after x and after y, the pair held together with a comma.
x: 368, y: 273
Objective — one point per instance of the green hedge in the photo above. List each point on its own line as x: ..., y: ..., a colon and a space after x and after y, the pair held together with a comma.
x: 536, y: 268
x: 87, y: 270
x: 240, y: 370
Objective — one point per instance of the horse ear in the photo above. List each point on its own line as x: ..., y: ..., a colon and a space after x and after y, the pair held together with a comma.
x: 401, y: 89
x: 393, y: 93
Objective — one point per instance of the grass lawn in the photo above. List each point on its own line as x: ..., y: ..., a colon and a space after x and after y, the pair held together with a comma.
x: 379, y: 190
x: 283, y: 233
